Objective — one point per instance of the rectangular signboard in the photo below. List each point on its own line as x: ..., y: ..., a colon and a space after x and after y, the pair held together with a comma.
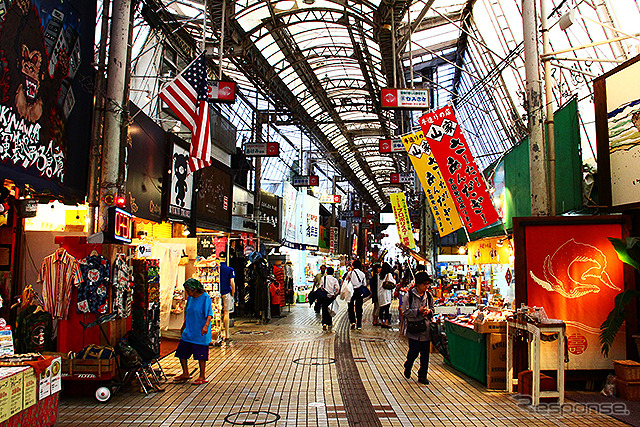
x: 402, y: 178
x: 391, y: 146
x: 403, y: 222
x: 218, y: 91
x: 330, y: 198
x: 306, y: 181
x: 263, y: 149
x: 406, y: 98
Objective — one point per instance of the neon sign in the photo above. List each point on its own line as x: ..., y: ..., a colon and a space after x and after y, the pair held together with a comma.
x: 120, y: 226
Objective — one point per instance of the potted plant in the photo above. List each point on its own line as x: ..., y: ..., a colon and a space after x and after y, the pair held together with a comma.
x: 629, y: 252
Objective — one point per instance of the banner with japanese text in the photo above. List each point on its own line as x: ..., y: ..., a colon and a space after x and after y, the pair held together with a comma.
x: 458, y: 168
x: 403, y: 222
x: 440, y: 200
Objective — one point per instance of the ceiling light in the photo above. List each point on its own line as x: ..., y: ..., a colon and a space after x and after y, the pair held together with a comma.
x: 567, y: 19
x: 176, y: 127
x: 309, y: 2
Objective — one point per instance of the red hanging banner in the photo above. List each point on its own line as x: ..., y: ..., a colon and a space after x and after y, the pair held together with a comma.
x: 458, y: 168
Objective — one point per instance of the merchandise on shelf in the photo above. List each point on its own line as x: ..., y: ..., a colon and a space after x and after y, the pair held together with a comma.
x: 208, y: 273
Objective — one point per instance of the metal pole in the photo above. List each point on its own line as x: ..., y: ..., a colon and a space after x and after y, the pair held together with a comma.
x: 410, y: 46
x: 114, y: 106
x: 224, y: 6
x: 393, y: 48
x: 98, y: 120
x: 537, y: 149
x: 204, y: 26
x: 548, y: 93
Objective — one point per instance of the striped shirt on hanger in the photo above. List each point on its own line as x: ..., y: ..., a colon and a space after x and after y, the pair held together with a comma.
x: 59, y: 271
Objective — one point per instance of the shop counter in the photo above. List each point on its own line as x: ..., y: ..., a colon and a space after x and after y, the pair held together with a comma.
x: 467, y: 350
x: 28, y: 398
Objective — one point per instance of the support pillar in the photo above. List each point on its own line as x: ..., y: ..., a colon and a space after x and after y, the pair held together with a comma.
x: 114, y: 121
x: 535, y: 113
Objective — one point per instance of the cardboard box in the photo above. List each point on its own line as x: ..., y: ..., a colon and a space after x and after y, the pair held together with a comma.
x: 490, y: 327
x: 497, y: 361
x: 525, y: 385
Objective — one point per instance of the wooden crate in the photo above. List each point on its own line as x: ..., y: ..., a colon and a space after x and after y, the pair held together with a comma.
x: 88, y: 369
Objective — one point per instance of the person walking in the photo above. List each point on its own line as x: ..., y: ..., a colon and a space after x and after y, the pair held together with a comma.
x: 316, y: 285
x: 196, y: 331
x: 359, y: 282
x: 227, y: 290
x: 373, y: 285
x: 385, y: 295
x: 417, y: 308
x: 331, y: 288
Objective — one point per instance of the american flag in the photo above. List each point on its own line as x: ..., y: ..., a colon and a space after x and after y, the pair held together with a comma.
x: 186, y: 95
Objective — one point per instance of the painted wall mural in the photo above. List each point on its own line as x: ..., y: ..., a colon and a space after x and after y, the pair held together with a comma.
x: 46, y: 79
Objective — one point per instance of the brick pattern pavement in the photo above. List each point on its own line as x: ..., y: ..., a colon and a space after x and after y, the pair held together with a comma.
x: 254, y: 380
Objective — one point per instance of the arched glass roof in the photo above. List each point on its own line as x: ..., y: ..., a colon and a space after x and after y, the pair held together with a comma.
x: 320, y: 65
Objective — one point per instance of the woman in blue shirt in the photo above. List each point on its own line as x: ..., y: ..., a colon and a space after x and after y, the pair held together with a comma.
x: 196, y: 330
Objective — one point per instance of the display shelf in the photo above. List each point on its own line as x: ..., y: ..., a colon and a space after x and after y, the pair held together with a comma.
x: 208, y: 273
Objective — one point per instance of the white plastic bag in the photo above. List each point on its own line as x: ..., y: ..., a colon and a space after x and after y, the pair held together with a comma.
x: 333, y: 307
x: 346, y: 291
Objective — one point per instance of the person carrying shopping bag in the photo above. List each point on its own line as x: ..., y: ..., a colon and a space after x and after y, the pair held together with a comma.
x: 358, y: 279
x: 386, y: 287
x: 417, y: 309
x: 331, y: 289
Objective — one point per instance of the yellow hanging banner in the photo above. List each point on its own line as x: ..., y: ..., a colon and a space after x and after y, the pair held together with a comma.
x: 440, y: 200
x: 403, y: 221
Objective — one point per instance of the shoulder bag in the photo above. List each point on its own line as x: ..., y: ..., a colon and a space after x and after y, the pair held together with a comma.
x: 388, y: 285
x: 416, y: 326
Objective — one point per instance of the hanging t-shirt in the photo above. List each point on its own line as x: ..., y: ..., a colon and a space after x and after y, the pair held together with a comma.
x: 195, y: 316
x: 92, y: 292
x: 59, y: 271
x: 122, y: 287
x: 33, y: 331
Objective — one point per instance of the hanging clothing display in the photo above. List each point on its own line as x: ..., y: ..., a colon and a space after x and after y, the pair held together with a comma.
x: 92, y: 292
x: 122, y: 286
x: 58, y: 273
x: 34, y: 331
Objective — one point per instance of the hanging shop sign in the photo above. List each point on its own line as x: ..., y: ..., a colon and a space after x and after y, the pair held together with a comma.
x: 45, y: 107
x: 406, y: 98
x: 214, y: 197
x: 403, y: 222
x: 391, y: 146
x: 264, y: 149
x: 311, y: 222
x: 330, y: 198
x: 289, y: 215
x: 568, y: 266
x: 333, y: 240
x: 270, y: 210
x: 402, y: 178
x: 440, y: 200
x: 306, y: 181
x: 180, y: 194
x: 218, y: 91
x: 617, y: 107
x: 354, y: 246
x: 119, y: 226
x: 492, y: 250
x: 147, y: 156
x: 458, y: 168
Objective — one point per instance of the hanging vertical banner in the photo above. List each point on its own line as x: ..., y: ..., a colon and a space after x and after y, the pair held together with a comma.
x: 458, y: 168
x: 403, y: 222
x: 440, y: 200
x: 333, y: 240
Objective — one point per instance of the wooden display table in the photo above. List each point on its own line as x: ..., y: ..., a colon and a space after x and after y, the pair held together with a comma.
x: 534, y: 332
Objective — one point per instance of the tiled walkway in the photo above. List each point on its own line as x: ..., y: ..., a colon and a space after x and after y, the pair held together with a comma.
x: 291, y: 373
